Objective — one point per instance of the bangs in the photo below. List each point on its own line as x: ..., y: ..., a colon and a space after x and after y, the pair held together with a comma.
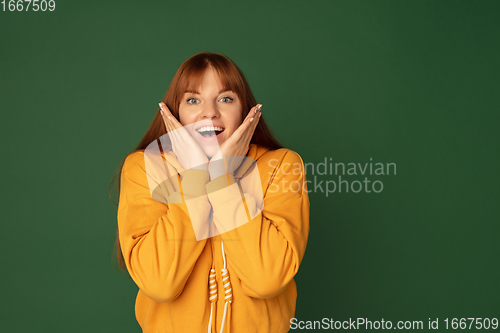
x: 229, y: 76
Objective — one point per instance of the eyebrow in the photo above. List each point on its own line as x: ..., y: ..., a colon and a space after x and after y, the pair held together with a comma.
x: 196, y: 92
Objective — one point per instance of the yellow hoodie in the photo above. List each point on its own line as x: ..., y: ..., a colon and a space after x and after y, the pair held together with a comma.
x: 250, y: 269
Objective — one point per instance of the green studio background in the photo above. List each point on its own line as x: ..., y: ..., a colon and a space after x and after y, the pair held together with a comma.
x: 414, y: 83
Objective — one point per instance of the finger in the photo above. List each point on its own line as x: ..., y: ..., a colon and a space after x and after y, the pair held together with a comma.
x: 258, y: 108
x: 254, y: 120
x: 247, y: 136
x: 169, y: 116
x: 253, y: 111
x: 250, y: 114
x: 250, y: 117
x: 246, y: 125
x: 168, y: 126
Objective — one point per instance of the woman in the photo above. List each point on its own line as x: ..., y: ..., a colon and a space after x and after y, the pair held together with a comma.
x: 208, y: 254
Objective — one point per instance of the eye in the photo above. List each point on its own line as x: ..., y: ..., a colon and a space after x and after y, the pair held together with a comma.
x: 226, y: 99
x: 192, y: 100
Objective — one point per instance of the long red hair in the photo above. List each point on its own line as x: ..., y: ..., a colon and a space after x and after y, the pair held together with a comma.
x: 188, y: 77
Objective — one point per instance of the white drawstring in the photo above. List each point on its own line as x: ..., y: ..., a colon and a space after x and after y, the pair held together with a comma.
x: 227, y: 287
x: 213, y: 291
x: 210, y: 322
x: 212, y: 296
x: 223, y: 253
x: 223, y: 318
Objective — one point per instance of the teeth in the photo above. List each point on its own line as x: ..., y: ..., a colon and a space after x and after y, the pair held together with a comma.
x: 210, y: 129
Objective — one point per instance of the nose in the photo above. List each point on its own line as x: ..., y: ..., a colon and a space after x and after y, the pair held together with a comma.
x: 209, y: 111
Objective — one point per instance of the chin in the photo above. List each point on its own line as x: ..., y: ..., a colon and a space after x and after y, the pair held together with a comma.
x: 210, y: 151
x: 212, y: 148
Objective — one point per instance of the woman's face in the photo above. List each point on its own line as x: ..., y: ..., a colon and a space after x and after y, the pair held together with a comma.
x: 215, y: 113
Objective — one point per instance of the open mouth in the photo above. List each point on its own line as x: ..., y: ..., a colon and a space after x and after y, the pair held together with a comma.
x: 210, y: 131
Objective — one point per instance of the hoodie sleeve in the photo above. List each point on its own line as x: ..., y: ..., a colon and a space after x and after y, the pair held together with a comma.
x: 157, y: 239
x: 266, y: 252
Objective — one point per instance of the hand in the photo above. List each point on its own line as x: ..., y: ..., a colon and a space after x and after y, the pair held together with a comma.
x: 236, y: 146
x: 188, y: 152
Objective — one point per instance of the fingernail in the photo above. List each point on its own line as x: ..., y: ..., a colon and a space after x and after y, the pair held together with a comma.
x: 251, y: 119
x: 258, y: 108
